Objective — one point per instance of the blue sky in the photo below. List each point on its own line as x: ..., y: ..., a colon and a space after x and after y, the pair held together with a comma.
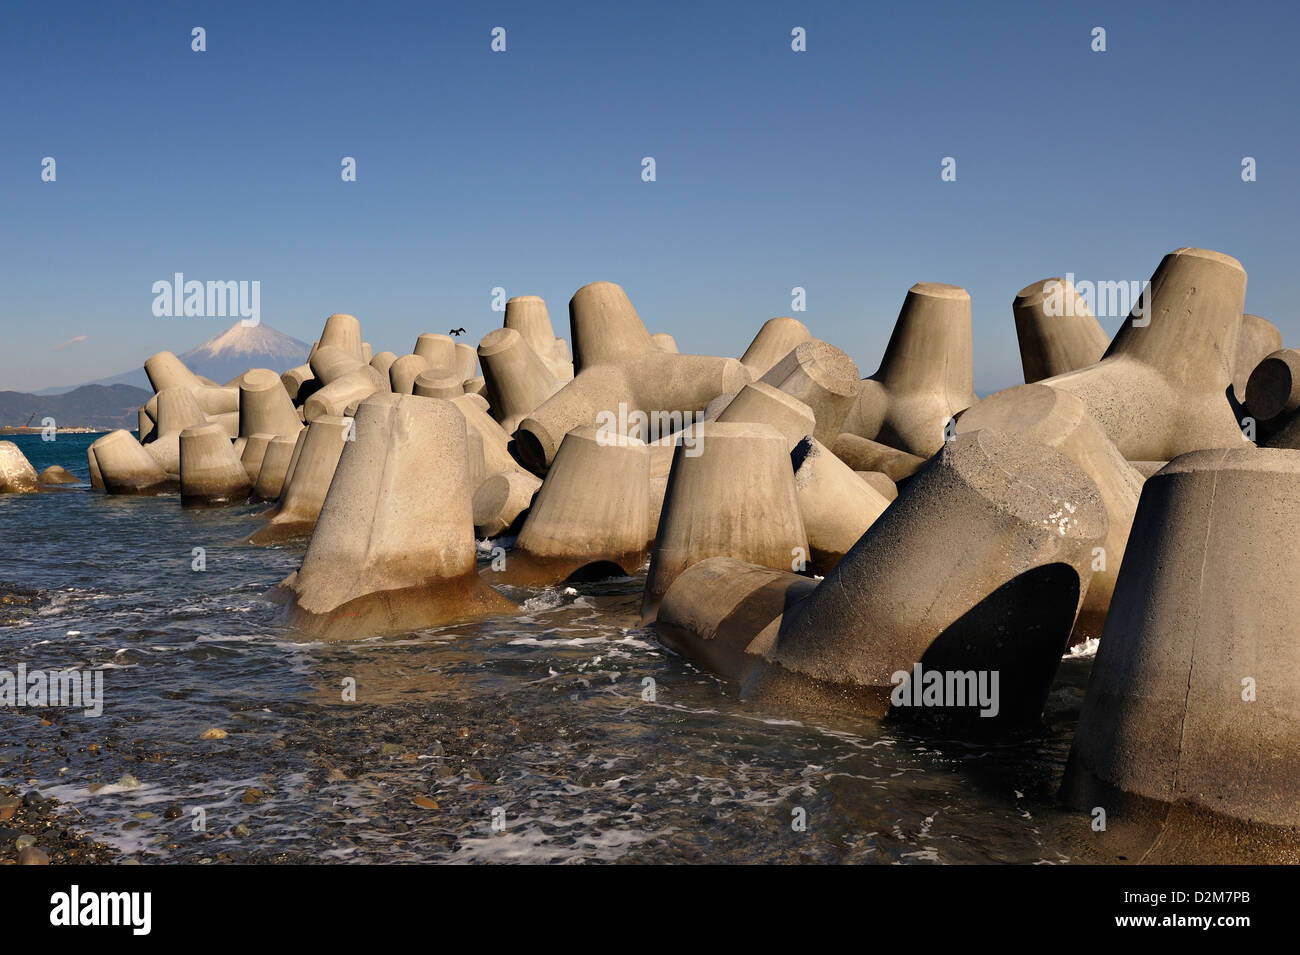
x: 522, y: 169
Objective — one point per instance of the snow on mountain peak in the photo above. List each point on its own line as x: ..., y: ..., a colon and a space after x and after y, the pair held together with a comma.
x: 260, y: 339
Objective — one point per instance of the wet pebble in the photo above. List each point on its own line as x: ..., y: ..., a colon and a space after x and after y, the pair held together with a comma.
x: 31, y: 855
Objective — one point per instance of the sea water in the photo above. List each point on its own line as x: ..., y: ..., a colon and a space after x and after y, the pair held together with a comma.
x: 565, y: 733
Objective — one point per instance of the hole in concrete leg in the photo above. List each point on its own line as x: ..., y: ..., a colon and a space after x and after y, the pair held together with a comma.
x: 1020, y: 632
x: 527, y: 450
x: 597, y: 570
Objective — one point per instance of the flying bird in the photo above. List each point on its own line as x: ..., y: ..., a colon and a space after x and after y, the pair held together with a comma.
x: 457, y: 331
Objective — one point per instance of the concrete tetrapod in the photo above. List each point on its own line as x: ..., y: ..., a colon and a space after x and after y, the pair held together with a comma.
x: 274, y: 468
x: 835, y: 504
x: 335, y: 398
x: 970, y: 579
x: 712, y: 611
x: 502, y: 501
x: 211, y: 472
x: 177, y: 409
x: 620, y: 373
x: 329, y: 363
x: 403, y: 372
x: 382, y: 362
x: 496, y: 443
x: 863, y: 454
x: 144, y: 421
x: 823, y: 378
x: 1273, y: 391
x: 588, y: 519
x: 760, y: 403
x: 517, y: 379
x: 475, y: 461
x: 527, y: 315
x: 881, y: 482
x: 342, y: 331
x: 775, y: 340
x: 437, y: 384
x: 926, y: 376
x: 299, y: 383
x: 1164, y: 386
x: 293, y: 459
x: 307, y: 481
x: 1147, y: 468
x: 124, y: 467
x: 605, y: 327
x: 1059, y: 420
x: 1056, y: 330
x: 730, y: 493
x: 1189, y: 736
x: 252, y: 453
x: 17, y: 476
x: 393, y: 549
x: 165, y: 370
x: 466, y: 361
x: 1256, y: 340
x: 264, y: 406
x: 97, y: 479
x: 55, y: 475
x: 438, y: 350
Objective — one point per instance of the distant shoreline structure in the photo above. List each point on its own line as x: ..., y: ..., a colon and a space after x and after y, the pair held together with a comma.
x: 21, y: 429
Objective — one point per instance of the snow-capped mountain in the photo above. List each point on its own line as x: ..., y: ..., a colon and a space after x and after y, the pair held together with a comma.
x: 238, y: 349
x: 231, y: 353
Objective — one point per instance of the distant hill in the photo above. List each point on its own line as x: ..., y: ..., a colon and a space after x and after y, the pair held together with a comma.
x: 90, y: 406
x: 229, y: 354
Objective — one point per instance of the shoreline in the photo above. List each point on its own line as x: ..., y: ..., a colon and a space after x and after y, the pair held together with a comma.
x: 55, y: 838
x: 18, y: 429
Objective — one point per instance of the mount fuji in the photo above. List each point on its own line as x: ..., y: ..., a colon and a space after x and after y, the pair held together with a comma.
x: 221, y: 358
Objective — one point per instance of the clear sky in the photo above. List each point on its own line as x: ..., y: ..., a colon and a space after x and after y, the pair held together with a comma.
x: 522, y: 169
